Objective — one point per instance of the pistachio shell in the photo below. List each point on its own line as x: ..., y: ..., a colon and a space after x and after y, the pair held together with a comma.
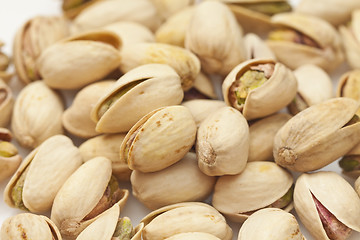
x: 173, y: 30
x: 145, y: 88
x: 193, y: 236
x: 203, y: 84
x: 9, y: 157
x: 262, y: 134
x: 72, y: 8
x: 48, y: 167
x: 257, y: 48
x: 349, y: 86
x: 36, y: 115
x: 275, y: 224
x: 159, y: 139
x: 76, y: 119
x: 185, y: 218
x: 32, y: 39
x: 29, y: 226
x: 258, y: 186
x: 219, y: 49
x: 334, y: 193
x: 79, y: 60
x: 201, y: 108
x: 222, y: 144
x: 180, y: 182
x: 328, y: 55
x: 278, y: 91
x: 70, y: 207
x: 105, y: 12
x: 6, y: 103
x: 107, y: 145
x: 317, y: 136
x: 184, y: 62
x: 167, y: 8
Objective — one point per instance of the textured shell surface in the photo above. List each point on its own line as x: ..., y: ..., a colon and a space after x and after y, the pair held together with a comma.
x: 6, y: 103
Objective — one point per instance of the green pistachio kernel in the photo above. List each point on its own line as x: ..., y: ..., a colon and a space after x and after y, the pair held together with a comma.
x: 17, y: 190
x: 284, y: 200
x: 124, y: 229
x: 7, y: 149
x: 250, y: 80
x: 349, y: 163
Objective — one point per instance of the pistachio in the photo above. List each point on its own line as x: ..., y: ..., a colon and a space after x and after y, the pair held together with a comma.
x: 72, y: 8
x: 4, y: 61
x: 9, y: 157
x: 167, y: 9
x: 193, y: 236
x: 124, y: 229
x: 268, y: 8
x: 350, y: 163
x: 7, y: 149
x: 203, y: 89
x: 348, y: 86
x: 6, y: 103
x: 4, y: 64
x: 257, y: 48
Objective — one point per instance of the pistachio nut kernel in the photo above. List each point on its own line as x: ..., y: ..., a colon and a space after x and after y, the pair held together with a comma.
x: 124, y: 229
x: 291, y: 35
x: 268, y: 8
x: 7, y: 149
x: 17, y: 191
x: 285, y: 200
x: 334, y: 229
x: 350, y: 163
x: 251, y: 79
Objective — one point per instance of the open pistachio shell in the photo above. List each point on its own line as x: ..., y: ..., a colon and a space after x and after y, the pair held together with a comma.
x: 29, y: 226
x: 107, y: 145
x: 103, y: 13
x: 32, y: 39
x: 314, y: 86
x: 173, y: 30
x: 135, y: 94
x: 222, y: 143
x: 193, y: 236
x: 349, y: 86
x: 36, y: 115
x: 71, y: 211
x: 325, y: 48
x: 6, y: 103
x: 275, y: 224
x: 42, y: 173
x: 185, y: 218
x: 260, y: 185
x: 159, y: 139
x: 219, y: 49
x: 80, y: 60
x: 262, y: 134
x: 317, y: 136
x: 184, y: 62
x: 76, y: 119
x: 181, y: 182
x: 325, y: 202
x: 167, y: 8
x: 263, y: 98
x: 257, y: 48
x: 201, y: 108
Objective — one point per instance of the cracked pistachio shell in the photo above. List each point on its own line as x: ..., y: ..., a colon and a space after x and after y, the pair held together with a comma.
x: 79, y: 195
x: 29, y: 226
x: 159, y: 139
x: 184, y: 62
x: 257, y: 48
x: 334, y: 193
x: 317, y: 136
x: 204, y: 85
x: 107, y: 145
x: 349, y: 86
x: 278, y: 91
x: 222, y: 143
x: 36, y: 115
x: 258, y: 186
x: 76, y: 119
x: 173, y: 30
x: 275, y: 224
x: 201, y: 108
x: 130, y: 32
x: 9, y: 157
x: 48, y: 167
x: 219, y: 49
x: 351, y: 40
x: 328, y: 55
x: 103, y: 13
x: 333, y: 11
x: 185, y: 218
x: 314, y: 86
x: 181, y: 182
x: 142, y: 90
x: 80, y: 60
x: 262, y: 134
x: 193, y: 236
x: 6, y: 103
x: 103, y: 228
x: 32, y: 39
x: 167, y: 8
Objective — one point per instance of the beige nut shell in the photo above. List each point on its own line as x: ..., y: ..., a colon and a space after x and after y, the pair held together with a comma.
x: 258, y: 186
x: 334, y: 193
x: 257, y: 48
x: 316, y: 136
x: 278, y: 91
x: 181, y: 182
x: 160, y: 139
x: 6, y: 104
x: 193, y: 236
x: 160, y: 87
x: 222, y: 144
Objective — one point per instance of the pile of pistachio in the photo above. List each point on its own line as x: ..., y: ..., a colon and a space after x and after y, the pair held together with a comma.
x: 149, y: 113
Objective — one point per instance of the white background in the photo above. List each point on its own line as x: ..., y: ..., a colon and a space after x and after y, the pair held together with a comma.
x: 13, y: 13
